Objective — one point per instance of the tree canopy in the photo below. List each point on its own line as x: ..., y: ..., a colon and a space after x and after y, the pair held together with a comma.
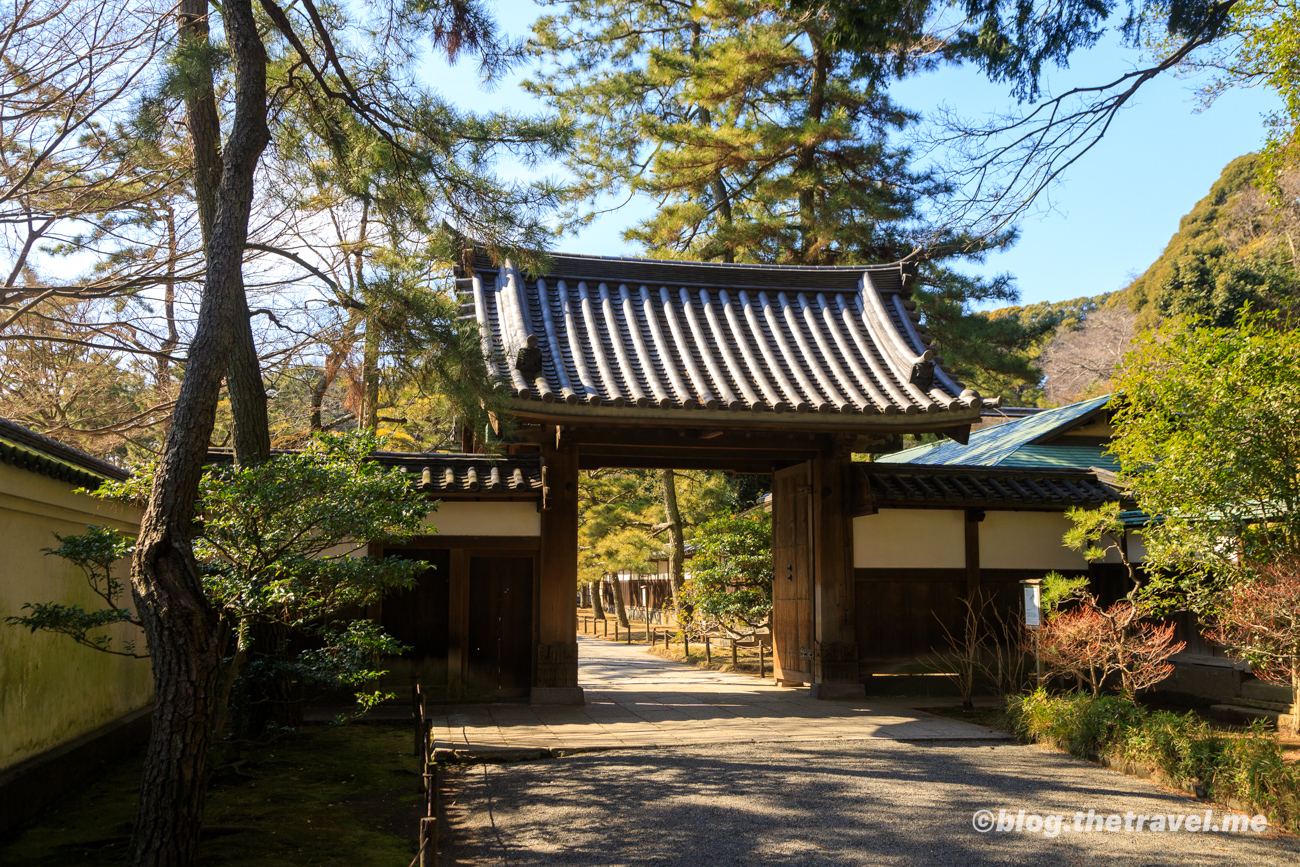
x: 1206, y: 435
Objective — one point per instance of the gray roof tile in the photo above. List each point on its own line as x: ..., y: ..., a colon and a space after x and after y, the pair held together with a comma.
x: 663, y: 336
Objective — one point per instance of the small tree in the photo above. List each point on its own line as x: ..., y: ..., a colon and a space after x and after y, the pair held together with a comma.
x: 278, y: 548
x: 730, y: 585
x: 1207, y: 435
x: 991, y: 642
x: 1258, y: 618
x: 96, y: 552
x: 1090, y: 642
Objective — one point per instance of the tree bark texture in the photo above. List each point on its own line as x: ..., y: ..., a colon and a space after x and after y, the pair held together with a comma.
x: 620, y: 606
x: 180, y: 623
x: 676, y: 540
x: 597, y: 604
x: 243, y: 370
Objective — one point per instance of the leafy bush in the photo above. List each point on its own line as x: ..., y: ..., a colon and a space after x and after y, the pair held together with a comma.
x: 1248, y: 767
x: 731, y: 573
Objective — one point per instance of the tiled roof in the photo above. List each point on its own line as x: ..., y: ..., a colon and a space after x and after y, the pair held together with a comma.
x: 469, y: 474
x: 452, y: 473
x: 28, y: 450
x: 672, y: 341
x: 978, y: 487
x: 998, y: 445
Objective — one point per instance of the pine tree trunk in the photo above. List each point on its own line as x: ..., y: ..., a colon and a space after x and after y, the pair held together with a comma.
x: 806, y: 162
x: 370, y: 375
x: 247, y: 391
x: 597, y: 605
x: 676, y: 540
x: 179, y: 623
x: 244, y: 373
x: 620, y: 607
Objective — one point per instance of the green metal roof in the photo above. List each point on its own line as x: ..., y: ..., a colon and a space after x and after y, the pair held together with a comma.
x: 28, y: 450
x: 1015, y: 444
x: 1061, y: 457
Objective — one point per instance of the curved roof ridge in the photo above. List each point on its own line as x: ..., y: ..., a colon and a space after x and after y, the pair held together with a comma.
x: 603, y: 336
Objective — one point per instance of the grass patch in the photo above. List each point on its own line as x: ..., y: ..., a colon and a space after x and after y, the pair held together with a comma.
x: 341, y: 796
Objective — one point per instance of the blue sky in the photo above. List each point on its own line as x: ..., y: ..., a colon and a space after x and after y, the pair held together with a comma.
x: 1111, y: 216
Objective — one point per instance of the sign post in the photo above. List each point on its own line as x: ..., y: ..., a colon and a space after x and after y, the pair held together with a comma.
x: 1033, y: 599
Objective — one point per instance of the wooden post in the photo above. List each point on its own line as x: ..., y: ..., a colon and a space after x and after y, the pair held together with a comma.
x: 973, y: 519
x: 429, y: 841
x: 734, y: 661
x: 556, y: 676
x: 458, y: 624
x: 665, y: 640
x: 762, y: 663
x: 708, y: 651
x: 616, y: 630
x: 686, y: 645
x: 836, y: 649
x: 417, y: 710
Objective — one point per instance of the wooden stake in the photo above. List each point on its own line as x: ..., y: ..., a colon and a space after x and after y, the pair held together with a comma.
x: 429, y: 841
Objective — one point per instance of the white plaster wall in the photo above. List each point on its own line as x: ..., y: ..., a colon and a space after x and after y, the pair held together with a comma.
x: 910, y: 539
x: 456, y: 518
x: 1026, y: 540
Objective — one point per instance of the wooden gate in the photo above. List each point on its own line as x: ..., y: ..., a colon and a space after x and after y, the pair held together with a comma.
x: 500, y: 636
x: 419, y: 617
x: 793, y: 642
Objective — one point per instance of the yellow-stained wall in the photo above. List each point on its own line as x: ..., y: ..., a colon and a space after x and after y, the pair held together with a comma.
x: 1027, y: 540
x: 51, y: 689
x: 935, y: 539
x: 910, y: 539
x: 486, y: 518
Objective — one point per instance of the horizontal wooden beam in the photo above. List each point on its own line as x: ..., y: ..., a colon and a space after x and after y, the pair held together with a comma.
x: 635, y: 461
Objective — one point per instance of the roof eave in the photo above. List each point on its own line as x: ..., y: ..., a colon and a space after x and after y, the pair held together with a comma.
x: 563, y: 413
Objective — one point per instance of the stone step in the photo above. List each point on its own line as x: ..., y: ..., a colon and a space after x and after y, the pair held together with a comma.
x: 1236, y: 713
x: 1258, y: 690
x: 1279, y: 706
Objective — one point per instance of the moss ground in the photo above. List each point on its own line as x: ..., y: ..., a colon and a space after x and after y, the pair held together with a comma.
x: 322, y: 796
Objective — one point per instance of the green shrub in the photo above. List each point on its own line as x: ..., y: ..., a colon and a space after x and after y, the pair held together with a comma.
x: 1247, y: 767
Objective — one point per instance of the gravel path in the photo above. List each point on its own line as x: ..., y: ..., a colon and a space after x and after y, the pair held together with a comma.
x: 828, y: 802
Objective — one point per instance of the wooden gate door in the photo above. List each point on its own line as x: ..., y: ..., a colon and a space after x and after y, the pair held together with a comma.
x: 500, y: 637
x: 420, y: 617
x: 792, y: 581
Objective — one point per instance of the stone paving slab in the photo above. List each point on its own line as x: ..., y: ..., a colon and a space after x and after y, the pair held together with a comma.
x: 637, y: 699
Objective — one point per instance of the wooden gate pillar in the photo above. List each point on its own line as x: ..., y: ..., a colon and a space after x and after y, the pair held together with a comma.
x: 556, y: 675
x: 835, y: 629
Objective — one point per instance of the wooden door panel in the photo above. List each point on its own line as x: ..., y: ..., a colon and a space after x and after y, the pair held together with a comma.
x: 500, y: 634
x: 419, y: 617
x: 792, y: 581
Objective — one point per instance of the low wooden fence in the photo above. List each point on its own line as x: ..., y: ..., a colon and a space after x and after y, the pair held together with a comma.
x: 427, y: 856
x: 591, y: 625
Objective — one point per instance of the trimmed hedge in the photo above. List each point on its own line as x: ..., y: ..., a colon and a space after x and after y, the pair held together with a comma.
x: 1245, y: 770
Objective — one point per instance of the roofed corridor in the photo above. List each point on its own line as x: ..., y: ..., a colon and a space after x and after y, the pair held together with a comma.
x: 636, y: 699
